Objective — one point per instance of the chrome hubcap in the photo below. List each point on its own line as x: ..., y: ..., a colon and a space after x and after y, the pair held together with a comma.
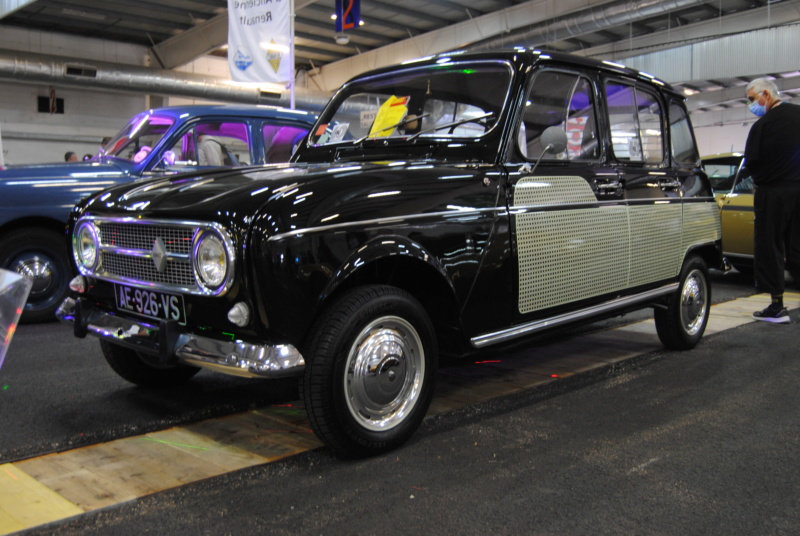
x: 694, y: 306
x: 38, y: 269
x: 385, y: 368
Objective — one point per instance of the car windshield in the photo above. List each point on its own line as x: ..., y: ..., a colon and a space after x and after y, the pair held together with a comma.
x: 135, y: 141
x: 451, y: 100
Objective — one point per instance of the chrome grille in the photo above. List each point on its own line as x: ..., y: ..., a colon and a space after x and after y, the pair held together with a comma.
x: 141, y: 237
x: 130, y: 250
x: 177, y: 273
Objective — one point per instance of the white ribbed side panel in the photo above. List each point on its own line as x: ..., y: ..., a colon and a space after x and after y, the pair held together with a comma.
x: 571, y: 254
x: 568, y: 255
x: 701, y: 224
x: 655, y: 243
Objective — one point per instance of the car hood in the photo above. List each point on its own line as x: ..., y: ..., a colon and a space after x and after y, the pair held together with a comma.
x: 306, y: 194
x: 76, y: 171
x: 193, y: 192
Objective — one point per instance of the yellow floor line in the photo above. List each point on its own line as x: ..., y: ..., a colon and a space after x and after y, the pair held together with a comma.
x: 56, y: 486
x: 26, y: 503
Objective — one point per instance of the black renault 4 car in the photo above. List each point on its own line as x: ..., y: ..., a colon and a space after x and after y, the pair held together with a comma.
x: 442, y: 206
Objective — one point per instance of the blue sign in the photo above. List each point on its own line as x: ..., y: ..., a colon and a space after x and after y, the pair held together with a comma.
x: 242, y: 60
x: 348, y: 15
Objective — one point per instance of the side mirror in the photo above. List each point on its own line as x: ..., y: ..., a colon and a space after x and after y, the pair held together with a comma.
x: 554, y: 140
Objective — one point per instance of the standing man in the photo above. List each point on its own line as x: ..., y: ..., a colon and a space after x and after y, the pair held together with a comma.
x: 772, y: 154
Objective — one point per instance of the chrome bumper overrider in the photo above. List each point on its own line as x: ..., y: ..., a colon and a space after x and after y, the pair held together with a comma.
x: 164, y: 340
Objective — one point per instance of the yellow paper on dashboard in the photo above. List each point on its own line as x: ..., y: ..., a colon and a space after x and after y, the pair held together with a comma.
x: 390, y: 113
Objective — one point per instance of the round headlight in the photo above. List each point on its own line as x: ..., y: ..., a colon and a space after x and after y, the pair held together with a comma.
x: 85, y: 245
x: 211, y: 260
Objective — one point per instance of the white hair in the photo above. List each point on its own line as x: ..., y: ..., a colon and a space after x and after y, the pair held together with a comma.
x: 760, y: 85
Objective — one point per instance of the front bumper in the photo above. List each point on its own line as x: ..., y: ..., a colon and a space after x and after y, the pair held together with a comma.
x: 165, y: 340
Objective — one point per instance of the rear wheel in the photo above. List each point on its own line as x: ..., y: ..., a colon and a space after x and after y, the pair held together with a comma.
x: 143, y: 370
x: 41, y: 256
x: 682, y: 323
x: 370, y: 370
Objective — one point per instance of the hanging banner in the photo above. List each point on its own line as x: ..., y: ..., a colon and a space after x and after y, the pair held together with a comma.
x: 260, y: 40
x: 348, y: 15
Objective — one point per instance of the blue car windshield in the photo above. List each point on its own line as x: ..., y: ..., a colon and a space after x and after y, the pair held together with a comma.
x: 135, y: 141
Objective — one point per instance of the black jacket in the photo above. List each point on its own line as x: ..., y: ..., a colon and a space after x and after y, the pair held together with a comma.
x: 772, y: 152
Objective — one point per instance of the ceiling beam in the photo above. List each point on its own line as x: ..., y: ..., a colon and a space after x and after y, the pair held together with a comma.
x: 735, y: 94
x: 743, y: 21
x: 395, y: 8
x: 192, y: 43
x: 729, y: 116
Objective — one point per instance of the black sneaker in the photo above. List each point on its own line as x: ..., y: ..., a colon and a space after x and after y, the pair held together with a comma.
x: 774, y: 313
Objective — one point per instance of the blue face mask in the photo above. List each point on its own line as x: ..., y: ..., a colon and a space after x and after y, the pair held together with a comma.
x: 757, y: 109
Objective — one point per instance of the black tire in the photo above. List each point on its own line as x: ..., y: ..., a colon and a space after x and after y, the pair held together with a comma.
x: 141, y: 370
x: 370, y: 371
x: 681, y: 324
x: 42, y: 255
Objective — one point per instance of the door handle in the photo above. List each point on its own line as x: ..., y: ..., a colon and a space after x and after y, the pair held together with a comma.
x: 669, y: 184
x: 608, y: 187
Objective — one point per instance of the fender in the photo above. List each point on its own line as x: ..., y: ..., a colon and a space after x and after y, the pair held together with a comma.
x: 378, y: 248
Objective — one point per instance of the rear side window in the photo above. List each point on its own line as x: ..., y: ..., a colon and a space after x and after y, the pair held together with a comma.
x: 211, y: 144
x: 680, y: 132
x: 636, y: 126
x: 565, y: 100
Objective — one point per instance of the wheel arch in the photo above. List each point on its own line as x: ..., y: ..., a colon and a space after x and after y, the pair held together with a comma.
x: 34, y: 222
x: 401, y: 263
x: 711, y: 253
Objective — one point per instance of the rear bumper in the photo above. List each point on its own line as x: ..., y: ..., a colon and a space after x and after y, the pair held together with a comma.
x: 167, y: 340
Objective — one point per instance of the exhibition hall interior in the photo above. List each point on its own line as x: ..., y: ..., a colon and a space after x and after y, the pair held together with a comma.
x: 398, y: 267
x: 707, y: 49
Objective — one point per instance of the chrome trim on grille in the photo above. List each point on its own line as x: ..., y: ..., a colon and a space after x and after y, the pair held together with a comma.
x: 505, y: 335
x: 239, y: 358
x: 127, y: 246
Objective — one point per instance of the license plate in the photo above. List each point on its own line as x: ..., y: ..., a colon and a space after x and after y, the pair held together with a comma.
x: 150, y: 303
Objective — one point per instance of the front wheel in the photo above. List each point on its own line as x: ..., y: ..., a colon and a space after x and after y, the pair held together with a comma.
x: 682, y: 323
x: 370, y: 371
x: 142, y: 370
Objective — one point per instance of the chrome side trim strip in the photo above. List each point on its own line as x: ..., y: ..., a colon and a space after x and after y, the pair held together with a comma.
x: 385, y: 221
x: 488, y: 339
x: 406, y: 218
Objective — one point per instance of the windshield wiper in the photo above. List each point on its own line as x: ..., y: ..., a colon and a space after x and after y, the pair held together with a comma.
x: 454, y: 124
x: 407, y: 120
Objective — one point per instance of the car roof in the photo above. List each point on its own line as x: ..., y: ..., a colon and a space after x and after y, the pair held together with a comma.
x: 236, y: 110
x: 522, y: 56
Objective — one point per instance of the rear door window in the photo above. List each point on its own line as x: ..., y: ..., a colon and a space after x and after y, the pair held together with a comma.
x: 636, y: 127
x: 684, y: 149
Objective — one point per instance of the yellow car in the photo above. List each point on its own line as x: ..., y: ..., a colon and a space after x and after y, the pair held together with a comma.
x: 733, y: 190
